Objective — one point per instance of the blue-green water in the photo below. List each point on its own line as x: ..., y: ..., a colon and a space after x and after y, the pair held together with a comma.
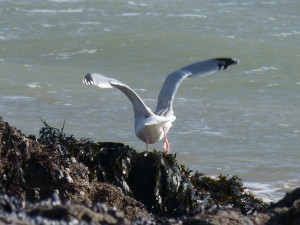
x: 243, y: 121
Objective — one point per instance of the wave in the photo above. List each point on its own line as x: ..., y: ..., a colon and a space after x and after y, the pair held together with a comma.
x: 62, y: 1
x: 272, y: 191
x: 287, y: 34
x: 131, y: 14
x: 53, y: 10
x: 262, y: 69
x: 16, y: 97
x: 34, y: 85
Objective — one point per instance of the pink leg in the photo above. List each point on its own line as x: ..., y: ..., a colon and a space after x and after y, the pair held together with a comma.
x: 147, y: 143
x: 166, y: 142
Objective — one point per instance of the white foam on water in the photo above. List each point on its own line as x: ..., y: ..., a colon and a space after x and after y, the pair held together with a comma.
x: 263, y: 191
x: 272, y: 191
x: 53, y: 11
x: 131, y: 14
x: 64, y: 1
x: 213, y: 133
x: 262, y: 69
x: 89, y: 23
x: 47, y: 25
x: 34, y: 85
x: 153, y: 14
x: 88, y: 51
x: 273, y: 84
x: 132, y: 3
x: 283, y: 125
x: 287, y: 34
x: 63, y: 55
x: 187, y: 15
x: 16, y: 97
x: 192, y: 16
x: 183, y: 132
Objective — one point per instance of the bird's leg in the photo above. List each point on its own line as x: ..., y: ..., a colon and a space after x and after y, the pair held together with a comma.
x: 147, y: 144
x: 166, y: 142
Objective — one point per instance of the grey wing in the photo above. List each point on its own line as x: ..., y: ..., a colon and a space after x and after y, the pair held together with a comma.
x: 101, y: 81
x: 173, y: 80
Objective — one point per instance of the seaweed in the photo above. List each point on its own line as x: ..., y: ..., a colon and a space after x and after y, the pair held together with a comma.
x: 226, y: 190
x: 154, y: 178
x: 56, y: 138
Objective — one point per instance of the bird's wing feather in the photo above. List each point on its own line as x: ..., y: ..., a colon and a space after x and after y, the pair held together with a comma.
x: 101, y: 81
x: 173, y: 80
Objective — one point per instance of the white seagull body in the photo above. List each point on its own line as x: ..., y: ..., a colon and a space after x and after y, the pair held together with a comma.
x: 151, y: 127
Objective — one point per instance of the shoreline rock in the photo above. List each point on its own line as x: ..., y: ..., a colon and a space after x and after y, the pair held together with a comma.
x: 58, y: 179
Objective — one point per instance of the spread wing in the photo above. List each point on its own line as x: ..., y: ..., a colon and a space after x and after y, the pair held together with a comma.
x: 173, y: 80
x: 101, y: 81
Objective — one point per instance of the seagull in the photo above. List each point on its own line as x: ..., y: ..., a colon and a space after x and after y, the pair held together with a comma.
x: 151, y: 127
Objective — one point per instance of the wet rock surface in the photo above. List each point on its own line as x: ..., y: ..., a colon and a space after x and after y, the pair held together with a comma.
x: 60, y: 180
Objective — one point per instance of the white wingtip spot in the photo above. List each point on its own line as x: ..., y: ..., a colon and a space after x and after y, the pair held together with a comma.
x: 104, y: 85
x: 88, y: 82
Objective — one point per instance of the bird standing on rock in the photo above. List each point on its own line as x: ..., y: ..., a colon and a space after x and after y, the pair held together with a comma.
x: 151, y: 127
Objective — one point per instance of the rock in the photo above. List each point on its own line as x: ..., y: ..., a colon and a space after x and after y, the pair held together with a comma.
x: 57, y: 179
x: 226, y: 217
x: 114, y: 197
x: 50, y: 212
x: 35, y: 172
x: 157, y: 180
x: 287, y: 210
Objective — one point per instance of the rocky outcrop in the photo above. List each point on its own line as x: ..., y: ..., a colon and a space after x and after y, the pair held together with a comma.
x: 58, y: 179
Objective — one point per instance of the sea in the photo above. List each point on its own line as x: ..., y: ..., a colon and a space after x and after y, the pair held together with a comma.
x: 244, y: 121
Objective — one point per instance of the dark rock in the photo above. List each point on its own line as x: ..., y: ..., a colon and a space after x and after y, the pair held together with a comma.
x: 226, y: 217
x: 228, y: 191
x: 157, y: 180
x: 288, y: 199
x: 113, y: 196
x: 287, y: 210
x: 154, y: 178
x: 57, y: 179
x: 34, y: 172
x: 53, y: 212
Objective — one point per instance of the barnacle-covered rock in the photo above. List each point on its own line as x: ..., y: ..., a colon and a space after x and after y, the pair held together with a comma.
x: 154, y: 178
x: 157, y: 180
x: 16, y: 211
x: 57, y: 179
x: 287, y: 210
x: 34, y: 172
x: 228, y: 191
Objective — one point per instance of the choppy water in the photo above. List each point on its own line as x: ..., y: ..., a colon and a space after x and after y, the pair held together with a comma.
x: 244, y: 121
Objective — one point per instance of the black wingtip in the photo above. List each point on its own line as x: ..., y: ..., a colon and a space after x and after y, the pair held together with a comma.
x: 88, y: 79
x: 224, y: 63
x: 88, y: 76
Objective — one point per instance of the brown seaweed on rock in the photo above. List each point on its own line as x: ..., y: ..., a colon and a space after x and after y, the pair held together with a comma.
x: 73, y: 170
x: 35, y: 172
x: 61, y: 180
x: 228, y: 191
x: 154, y: 178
